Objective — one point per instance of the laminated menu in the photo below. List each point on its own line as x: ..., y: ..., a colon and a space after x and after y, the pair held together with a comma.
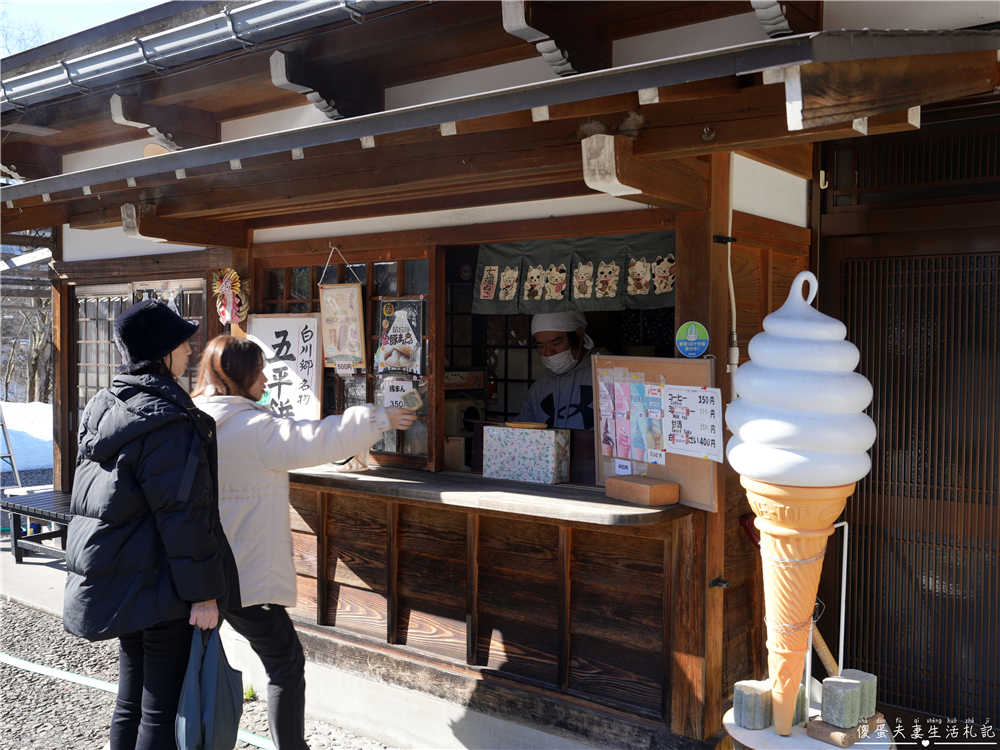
x: 399, y: 332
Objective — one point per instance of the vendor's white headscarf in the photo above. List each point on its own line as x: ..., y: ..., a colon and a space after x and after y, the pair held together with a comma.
x: 565, y: 321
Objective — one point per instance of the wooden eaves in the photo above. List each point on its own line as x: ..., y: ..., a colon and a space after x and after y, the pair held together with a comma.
x: 524, y: 143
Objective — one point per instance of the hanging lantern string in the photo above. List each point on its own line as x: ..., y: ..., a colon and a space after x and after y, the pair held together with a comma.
x: 349, y: 267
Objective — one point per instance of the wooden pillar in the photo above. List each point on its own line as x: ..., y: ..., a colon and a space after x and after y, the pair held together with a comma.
x: 702, y: 296
x: 63, y: 414
x: 435, y: 329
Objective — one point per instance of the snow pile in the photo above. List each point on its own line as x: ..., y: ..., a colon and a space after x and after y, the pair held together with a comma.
x: 30, y: 428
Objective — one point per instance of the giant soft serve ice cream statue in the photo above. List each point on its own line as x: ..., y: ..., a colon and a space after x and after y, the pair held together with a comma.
x: 800, y: 441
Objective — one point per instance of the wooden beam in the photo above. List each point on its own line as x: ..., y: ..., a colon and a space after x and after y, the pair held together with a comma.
x: 41, y: 216
x: 26, y: 240
x: 104, y: 218
x: 610, y: 167
x: 827, y: 93
x: 175, y: 127
x: 794, y: 158
x: 164, y: 264
x: 30, y: 161
x: 141, y: 222
x: 337, y: 95
x: 566, y: 42
x: 760, y: 132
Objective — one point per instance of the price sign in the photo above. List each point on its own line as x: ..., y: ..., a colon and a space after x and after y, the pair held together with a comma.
x: 393, y: 390
x: 623, y: 466
x: 692, y: 421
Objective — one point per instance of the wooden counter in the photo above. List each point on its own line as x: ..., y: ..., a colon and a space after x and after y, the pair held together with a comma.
x: 558, y: 589
x: 462, y: 490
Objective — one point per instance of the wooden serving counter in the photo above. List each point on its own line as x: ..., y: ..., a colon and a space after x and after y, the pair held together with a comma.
x: 587, y: 603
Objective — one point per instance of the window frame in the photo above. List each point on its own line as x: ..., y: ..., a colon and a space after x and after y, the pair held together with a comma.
x: 263, y: 263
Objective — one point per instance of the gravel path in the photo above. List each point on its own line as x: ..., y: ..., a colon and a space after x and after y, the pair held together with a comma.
x: 44, y: 713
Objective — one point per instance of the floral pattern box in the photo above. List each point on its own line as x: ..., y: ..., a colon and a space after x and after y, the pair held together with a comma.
x: 539, y: 456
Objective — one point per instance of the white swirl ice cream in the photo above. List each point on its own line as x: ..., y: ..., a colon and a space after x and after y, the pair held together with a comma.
x: 799, y: 419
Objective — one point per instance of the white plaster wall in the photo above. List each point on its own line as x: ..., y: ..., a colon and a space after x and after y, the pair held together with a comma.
x: 699, y: 37
x: 908, y: 14
x: 96, y: 244
x: 271, y: 122
x: 523, y: 72
x: 584, y: 205
x: 765, y: 191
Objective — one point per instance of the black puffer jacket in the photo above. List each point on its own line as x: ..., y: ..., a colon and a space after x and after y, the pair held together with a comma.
x: 146, y: 540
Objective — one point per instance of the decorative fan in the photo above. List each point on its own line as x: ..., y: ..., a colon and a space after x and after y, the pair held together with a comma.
x: 231, y: 299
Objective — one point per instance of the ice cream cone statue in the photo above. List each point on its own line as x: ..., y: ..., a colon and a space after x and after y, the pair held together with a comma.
x: 800, y: 444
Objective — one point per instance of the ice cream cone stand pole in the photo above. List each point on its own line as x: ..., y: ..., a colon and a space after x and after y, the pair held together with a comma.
x: 800, y: 441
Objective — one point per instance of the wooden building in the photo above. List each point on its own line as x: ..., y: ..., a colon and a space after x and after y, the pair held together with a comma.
x: 384, y: 142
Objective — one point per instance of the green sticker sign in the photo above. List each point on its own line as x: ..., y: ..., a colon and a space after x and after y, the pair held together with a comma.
x: 692, y: 339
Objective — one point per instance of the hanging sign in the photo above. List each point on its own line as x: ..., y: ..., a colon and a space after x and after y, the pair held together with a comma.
x: 291, y: 362
x: 393, y: 392
x: 399, y: 332
x: 343, y: 326
x: 692, y: 339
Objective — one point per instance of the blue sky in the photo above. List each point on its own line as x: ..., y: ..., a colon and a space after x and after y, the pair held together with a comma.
x: 58, y: 18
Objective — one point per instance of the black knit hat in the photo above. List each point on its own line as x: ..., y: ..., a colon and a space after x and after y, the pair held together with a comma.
x: 147, y: 332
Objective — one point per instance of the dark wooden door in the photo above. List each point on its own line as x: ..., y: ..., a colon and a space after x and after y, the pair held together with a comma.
x: 923, y: 595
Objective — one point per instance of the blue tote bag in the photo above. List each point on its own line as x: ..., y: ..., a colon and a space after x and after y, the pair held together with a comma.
x: 208, y: 716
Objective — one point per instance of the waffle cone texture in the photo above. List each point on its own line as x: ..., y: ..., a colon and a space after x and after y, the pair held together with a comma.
x: 794, y: 525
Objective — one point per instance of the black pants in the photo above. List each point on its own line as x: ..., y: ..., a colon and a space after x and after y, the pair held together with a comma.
x: 270, y: 632
x: 152, y: 664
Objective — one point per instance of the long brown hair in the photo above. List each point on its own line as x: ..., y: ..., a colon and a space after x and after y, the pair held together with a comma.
x: 228, y: 367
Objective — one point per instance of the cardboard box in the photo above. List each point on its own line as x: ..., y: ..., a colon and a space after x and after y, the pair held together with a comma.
x: 538, y: 456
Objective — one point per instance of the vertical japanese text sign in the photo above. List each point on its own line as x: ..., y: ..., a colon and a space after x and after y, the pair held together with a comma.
x: 292, y: 362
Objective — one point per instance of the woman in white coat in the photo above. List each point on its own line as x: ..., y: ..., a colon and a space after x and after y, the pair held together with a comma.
x: 257, y: 449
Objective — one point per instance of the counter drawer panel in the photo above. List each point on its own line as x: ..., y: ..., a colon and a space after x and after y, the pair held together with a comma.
x: 432, y: 579
x: 433, y: 532
x: 629, y: 675
x: 623, y: 617
x: 350, y: 519
x: 304, y: 504
x: 305, y: 595
x: 357, y: 564
x: 440, y: 630
x: 357, y: 610
x: 519, y: 596
x: 304, y: 553
x: 516, y: 648
x: 519, y: 545
x: 609, y: 560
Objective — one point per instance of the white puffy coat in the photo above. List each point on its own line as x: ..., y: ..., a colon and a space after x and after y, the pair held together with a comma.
x: 257, y: 449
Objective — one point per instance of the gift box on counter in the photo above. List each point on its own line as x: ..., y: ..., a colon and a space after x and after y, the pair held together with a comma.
x: 538, y: 456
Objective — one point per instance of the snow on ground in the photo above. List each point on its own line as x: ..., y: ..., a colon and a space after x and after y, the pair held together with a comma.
x: 30, y: 427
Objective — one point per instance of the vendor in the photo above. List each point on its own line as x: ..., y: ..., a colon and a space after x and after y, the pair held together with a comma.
x: 564, y: 395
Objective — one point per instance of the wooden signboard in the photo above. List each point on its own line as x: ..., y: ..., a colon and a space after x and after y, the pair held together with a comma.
x: 292, y: 362
x: 614, y: 427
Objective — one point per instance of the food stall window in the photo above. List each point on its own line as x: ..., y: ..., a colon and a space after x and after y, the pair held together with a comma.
x: 276, y: 285
x: 417, y: 277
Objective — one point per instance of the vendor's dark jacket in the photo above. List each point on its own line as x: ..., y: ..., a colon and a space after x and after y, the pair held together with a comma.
x: 146, y: 540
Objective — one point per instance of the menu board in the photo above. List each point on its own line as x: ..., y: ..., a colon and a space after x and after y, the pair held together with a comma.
x: 343, y: 327
x: 291, y: 362
x: 660, y: 418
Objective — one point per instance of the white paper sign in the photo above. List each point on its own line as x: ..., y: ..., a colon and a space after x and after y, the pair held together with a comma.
x: 692, y: 421
x: 292, y: 362
x: 393, y: 390
x: 623, y: 466
x: 655, y: 457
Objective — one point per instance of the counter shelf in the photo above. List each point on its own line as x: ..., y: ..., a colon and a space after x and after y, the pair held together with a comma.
x: 470, y: 492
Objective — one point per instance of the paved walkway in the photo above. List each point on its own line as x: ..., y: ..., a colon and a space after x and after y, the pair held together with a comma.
x: 45, y: 713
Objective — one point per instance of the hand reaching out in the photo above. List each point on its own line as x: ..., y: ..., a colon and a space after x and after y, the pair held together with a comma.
x: 204, y: 614
x: 400, y: 419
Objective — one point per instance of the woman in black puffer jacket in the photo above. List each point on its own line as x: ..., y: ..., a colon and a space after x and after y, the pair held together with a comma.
x: 146, y: 554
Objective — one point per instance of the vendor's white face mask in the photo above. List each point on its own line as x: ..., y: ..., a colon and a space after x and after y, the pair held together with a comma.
x: 560, y: 363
